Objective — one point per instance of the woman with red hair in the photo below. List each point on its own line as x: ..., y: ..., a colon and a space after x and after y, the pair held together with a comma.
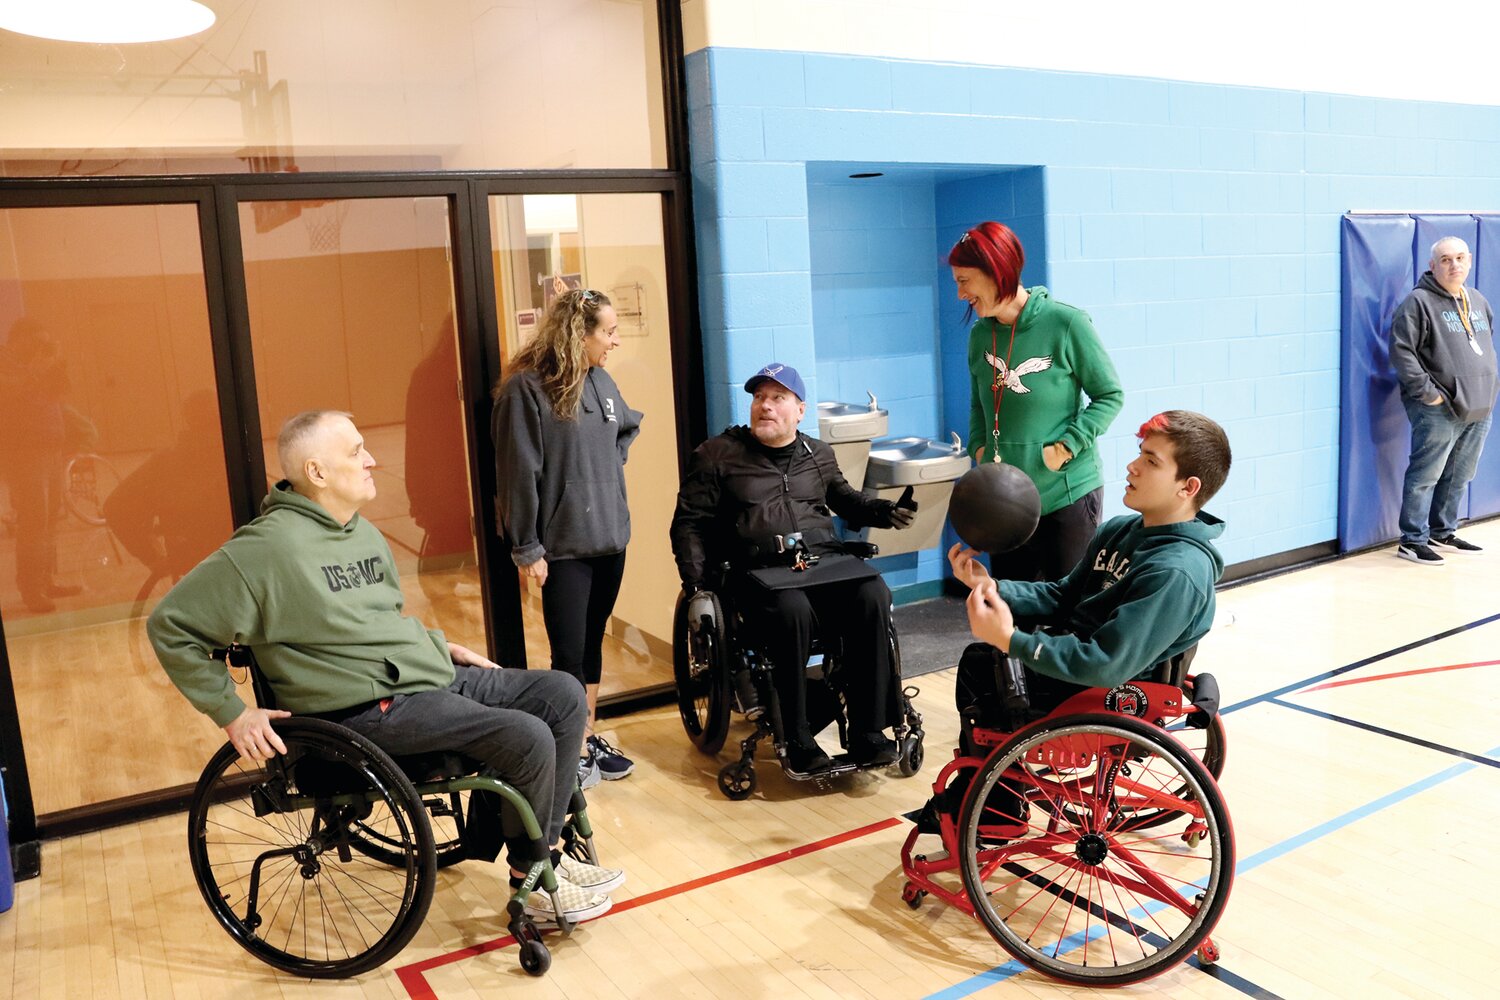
x: 1042, y: 391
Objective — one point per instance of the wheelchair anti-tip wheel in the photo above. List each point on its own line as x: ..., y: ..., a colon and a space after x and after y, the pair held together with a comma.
x: 700, y: 669
x: 737, y: 780
x: 275, y: 849
x: 1060, y: 873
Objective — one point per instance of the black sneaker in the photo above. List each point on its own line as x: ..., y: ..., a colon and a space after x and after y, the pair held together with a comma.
x: 807, y: 758
x: 874, y: 750
x: 1418, y: 553
x: 613, y: 765
x: 1456, y: 544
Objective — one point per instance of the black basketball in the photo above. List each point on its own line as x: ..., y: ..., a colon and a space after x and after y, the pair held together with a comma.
x: 994, y: 507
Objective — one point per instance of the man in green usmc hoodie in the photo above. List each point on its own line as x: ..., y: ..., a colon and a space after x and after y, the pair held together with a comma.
x: 1143, y: 592
x: 311, y: 588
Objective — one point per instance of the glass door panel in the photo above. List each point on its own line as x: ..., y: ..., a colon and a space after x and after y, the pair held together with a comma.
x: 352, y: 308
x: 612, y: 243
x: 112, y: 464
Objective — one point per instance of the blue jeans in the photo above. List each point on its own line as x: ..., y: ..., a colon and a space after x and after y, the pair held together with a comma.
x: 1444, y: 454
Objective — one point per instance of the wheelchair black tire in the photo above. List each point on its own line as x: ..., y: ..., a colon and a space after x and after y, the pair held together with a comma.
x: 1109, y: 931
x: 702, y: 687
x: 340, y: 924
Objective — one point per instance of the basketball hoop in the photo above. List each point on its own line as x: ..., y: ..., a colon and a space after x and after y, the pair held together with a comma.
x: 325, y: 223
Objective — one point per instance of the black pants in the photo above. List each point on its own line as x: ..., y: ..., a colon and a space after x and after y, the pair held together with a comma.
x: 525, y: 726
x: 783, y: 623
x: 1060, y: 541
x: 577, y: 600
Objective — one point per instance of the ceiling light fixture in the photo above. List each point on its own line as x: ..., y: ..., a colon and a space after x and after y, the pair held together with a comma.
x: 105, y: 21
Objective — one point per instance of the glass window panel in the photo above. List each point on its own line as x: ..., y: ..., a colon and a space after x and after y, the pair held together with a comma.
x: 611, y: 242
x: 352, y: 308
x: 111, y: 457
x: 287, y: 85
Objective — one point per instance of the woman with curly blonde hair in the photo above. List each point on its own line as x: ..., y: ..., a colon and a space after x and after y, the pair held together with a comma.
x: 561, y: 432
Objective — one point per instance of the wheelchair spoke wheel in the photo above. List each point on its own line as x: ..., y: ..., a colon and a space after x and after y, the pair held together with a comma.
x: 276, y: 852
x: 445, y: 813
x: 700, y: 669
x: 1205, y: 744
x: 1059, y: 876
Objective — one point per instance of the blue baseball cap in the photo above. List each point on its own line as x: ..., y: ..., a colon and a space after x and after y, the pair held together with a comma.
x: 783, y: 375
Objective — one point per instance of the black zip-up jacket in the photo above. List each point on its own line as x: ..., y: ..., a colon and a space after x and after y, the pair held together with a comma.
x: 738, y: 495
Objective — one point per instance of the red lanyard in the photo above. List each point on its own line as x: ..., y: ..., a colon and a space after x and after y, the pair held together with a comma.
x: 997, y: 387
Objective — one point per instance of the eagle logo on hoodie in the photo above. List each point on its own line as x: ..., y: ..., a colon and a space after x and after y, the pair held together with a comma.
x: 1010, y: 378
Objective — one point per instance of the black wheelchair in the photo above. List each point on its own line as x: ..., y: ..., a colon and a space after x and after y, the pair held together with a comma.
x: 321, y: 862
x: 1090, y: 840
x: 719, y: 669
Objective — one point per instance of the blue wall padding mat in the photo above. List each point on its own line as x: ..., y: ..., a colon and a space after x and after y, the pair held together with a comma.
x: 1383, y: 255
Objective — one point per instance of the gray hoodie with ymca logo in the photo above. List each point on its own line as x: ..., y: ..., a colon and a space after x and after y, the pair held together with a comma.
x: 1436, y: 353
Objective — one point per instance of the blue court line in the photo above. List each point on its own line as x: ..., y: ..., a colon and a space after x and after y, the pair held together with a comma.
x: 1000, y: 973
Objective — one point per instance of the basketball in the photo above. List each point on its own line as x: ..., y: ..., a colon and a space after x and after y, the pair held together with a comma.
x: 995, y: 507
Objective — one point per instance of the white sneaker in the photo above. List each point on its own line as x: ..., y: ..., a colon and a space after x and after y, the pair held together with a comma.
x: 578, y: 904
x: 594, y: 878
x: 588, y: 772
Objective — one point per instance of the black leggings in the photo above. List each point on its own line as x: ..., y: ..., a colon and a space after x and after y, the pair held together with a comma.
x: 577, y: 600
x: 1060, y: 541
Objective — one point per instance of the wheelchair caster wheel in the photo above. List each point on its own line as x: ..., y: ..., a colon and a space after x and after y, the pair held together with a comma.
x: 912, y: 896
x: 910, y: 761
x: 1208, y: 952
x: 535, y: 958
x: 737, y: 780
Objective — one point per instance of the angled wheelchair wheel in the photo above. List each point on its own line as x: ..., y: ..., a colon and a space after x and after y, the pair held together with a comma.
x: 1059, y: 876
x: 700, y: 668
x: 276, y: 851
x: 445, y: 814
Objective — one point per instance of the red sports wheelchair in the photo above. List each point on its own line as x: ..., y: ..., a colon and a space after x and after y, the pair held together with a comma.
x: 1092, y: 842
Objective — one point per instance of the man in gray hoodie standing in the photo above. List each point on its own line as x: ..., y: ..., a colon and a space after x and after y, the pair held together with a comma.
x: 1444, y: 355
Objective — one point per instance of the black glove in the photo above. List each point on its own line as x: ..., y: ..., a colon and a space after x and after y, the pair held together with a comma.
x: 904, y: 511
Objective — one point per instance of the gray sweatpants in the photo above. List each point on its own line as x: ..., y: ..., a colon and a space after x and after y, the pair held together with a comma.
x: 525, y: 725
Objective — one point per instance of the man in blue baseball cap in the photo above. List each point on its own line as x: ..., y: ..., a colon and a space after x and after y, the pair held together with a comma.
x: 759, y: 497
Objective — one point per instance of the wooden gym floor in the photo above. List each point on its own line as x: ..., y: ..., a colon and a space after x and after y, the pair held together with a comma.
x: 1360, y: 699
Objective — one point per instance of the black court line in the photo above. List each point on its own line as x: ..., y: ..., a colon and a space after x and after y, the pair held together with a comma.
x: 1124, y: 923
x: 1417, y: 740
x: 1295, y: 685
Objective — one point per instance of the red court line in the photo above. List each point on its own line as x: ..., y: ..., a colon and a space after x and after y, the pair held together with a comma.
x: 413, y: 978
x: 1402, y: 673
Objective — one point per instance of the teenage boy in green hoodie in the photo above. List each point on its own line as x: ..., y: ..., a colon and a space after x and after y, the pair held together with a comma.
x: 311, y: 588
x: 1143, y: 592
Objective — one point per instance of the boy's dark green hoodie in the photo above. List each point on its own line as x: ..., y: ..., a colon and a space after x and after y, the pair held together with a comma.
x: 1140, y: 595
x: 317, y: 601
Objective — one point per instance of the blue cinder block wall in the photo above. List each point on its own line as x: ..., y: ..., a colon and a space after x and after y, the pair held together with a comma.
x: 1197, y: 223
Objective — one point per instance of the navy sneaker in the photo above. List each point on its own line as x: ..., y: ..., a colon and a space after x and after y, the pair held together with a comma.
x: 1451, y: 542
x: 613, y: 765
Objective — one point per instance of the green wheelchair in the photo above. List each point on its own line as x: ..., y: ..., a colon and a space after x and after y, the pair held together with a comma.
x: 322, y: 861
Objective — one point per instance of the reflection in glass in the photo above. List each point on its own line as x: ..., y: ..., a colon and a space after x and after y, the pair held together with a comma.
x: 352, y: 308
x: 611, y: 242
x: 285, y: 85
x: 112, y: 461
